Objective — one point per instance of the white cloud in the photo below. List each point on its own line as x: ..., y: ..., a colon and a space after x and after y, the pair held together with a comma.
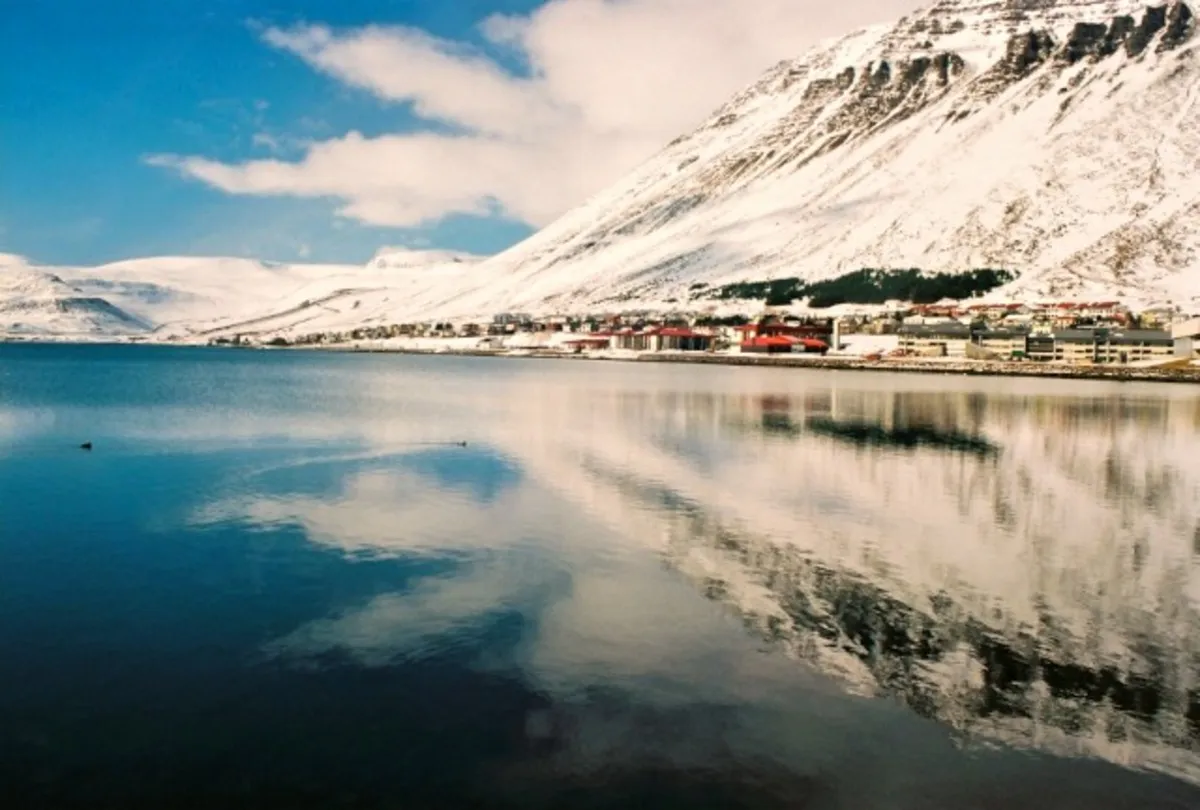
x: 609, y: 84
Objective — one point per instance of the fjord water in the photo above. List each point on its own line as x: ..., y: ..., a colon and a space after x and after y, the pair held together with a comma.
x: 278, y: 581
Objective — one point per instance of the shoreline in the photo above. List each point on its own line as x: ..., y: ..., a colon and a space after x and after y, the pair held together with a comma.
x: 977, y: 368
x: 970, y: 368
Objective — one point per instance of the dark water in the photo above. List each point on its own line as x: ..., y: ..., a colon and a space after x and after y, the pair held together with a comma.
x: 277, y: 583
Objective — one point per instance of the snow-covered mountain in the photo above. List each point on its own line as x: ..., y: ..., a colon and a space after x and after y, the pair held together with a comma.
x: 394, y: 285
x: 162, y: 297
x: 38, y: 303
x: 1057, y: 138
x: 193, y: 297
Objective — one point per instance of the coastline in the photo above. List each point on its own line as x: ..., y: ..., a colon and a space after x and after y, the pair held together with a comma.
x: 980, y: 368
x: 977, y: 368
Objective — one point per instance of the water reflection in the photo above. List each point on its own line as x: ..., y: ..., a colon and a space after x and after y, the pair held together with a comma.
x: 609, y: 585
x: 1019, y: 567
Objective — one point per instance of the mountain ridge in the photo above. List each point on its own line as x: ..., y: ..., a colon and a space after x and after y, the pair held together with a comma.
x: 1054, y: 139
x: 715, y: 205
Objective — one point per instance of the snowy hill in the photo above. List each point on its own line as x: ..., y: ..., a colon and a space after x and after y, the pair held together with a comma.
x: 1057, y: 139
x: 35, y: 303
x: 174, y: 293
x: 395, y: 285
x: 178, y: 297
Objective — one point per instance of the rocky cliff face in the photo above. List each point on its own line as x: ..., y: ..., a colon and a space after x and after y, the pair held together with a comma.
x: 1058, y: 139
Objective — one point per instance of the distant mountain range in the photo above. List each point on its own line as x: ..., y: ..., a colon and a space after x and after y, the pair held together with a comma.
x: 1057, y: 139
x: 186, y: 298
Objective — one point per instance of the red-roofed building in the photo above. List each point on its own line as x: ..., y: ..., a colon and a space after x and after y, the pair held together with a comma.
x: 783, y: 344
x: 777, y: 329
x: 662, y: 338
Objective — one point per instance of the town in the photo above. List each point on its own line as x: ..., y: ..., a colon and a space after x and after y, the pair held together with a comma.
x: 1073, y: 333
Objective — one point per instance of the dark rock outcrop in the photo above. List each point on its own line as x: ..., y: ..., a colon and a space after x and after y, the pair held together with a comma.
x: 1118, y: 33
x: 1026, y: 51
x: 1086, y: 39
x: 1152, y: 22
x: 1180, y: 25
x: 948, y: 65
x: 882, y: 74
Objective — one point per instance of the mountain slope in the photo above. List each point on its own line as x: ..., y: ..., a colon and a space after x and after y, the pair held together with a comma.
x: 175, y: 292
x: 1057, y: 139
x: 38, y: 303
x: 188, y: 298
x: 395, y: 283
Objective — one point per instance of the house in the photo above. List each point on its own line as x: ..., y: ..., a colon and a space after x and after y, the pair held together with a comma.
x: 1111, y: 345
x: 768, y: 344
x: 1157, y: 317
x: 948, y: 339
x: 679, y: 339
x: 511, y: 319
x: 936, y: 311
x: 773, y: 328
x: 776, y: 344
x: 1186, y: 338
x: 597, y: 341
x: 662, y: 338
x: 1103, y: 310
x: 630, y: 339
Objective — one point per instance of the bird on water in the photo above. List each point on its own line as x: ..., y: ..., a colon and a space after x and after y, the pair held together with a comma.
x: 85, y: 446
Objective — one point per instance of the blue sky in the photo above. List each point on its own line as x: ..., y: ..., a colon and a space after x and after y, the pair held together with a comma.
x: 90, y: 87
x: 320, y: 130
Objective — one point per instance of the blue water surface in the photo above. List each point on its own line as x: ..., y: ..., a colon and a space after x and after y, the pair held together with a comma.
x: 282, y: 580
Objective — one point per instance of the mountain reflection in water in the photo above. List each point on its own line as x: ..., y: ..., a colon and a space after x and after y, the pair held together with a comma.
x: 1022, y: 568
x: 661, y: 586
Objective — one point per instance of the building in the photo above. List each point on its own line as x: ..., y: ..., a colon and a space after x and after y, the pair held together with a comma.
x: 1040, y: 347
x: 597, y: 341
x: 768, y: 344
x: 1003, y: 342
x: 679, y: 339
x: 777, y: 344
x: 1186, y: 338
x: 1132, y: 345
x: 948, y: 339
x: 662, y: 338
x: 1112, y: 345
x: 770, y: 328
x: 630, y: 339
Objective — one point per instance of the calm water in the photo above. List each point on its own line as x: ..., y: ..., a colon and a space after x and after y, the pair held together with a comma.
x: 276, y: 582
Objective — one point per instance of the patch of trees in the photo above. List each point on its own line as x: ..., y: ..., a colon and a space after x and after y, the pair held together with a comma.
x: 724, y: 320
x: 776, y: 292
x: 870, y: 286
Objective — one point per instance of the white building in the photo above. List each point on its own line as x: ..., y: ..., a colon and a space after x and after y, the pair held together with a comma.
x: 1187, y: 337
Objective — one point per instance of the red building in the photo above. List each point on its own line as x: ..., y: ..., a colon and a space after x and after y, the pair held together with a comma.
x: 819, y: 331
x: 783, y: 344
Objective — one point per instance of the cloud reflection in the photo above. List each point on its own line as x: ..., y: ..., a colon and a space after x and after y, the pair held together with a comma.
x: 414, y: 624
x: 1043, y: 592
